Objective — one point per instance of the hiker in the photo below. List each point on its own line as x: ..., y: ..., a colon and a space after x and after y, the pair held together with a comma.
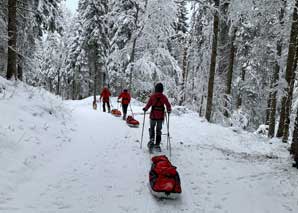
x: 125, y: 100
x: 157, y: 102
x: 105, y: 96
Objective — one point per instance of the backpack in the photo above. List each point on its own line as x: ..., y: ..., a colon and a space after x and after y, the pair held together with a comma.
x: 164, y: 178
x: 158, y: 105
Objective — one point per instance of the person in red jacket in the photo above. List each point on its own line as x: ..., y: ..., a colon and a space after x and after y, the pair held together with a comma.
x: 105, y: 97
x: 125, y: 100
x: 157, y: 102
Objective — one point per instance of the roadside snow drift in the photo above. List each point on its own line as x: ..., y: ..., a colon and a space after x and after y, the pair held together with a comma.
x: 65, y: 157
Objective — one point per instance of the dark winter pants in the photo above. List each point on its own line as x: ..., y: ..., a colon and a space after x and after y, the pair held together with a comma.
x: 104, y: 106
x: 124, y: 110
x: 158, y: 125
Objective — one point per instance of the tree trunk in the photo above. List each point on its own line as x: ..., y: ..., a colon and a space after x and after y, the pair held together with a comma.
x: 289, y: 72
x: 268, y: 108
x: 294, y: 145
x: 132, y: 60
x: 184, y: 74
x: 275, y: 78
x: 239, y: 98
x: 230, y: 73
x: 12, y: 40
x: 59, y: 82
x: 223, y: 39
x: 288, y: 108
x: 95, y: 84
x: 20, y: 68
x: 132, y: 55
x: 213, y: 64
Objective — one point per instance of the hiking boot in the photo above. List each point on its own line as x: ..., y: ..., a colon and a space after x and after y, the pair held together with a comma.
x: 157, y: 147
x: 150, y: 145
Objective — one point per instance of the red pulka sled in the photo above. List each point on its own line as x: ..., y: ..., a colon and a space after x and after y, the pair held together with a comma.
x: 132, y: 122
x: 116, y: 112
x: 164, y: 178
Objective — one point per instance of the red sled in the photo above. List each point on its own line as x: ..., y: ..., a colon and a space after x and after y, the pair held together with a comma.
x: 116, y: 112
x: 164, y: 178
x: 132, y: 122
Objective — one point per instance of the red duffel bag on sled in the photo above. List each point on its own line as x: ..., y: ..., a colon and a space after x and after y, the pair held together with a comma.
x: 132, y: 122
x: 116, y: 112
x: 164, y: 178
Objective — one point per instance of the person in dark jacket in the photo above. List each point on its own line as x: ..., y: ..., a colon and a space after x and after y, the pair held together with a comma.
x: 125, y: 100
x: 158, y: 101
x: 105, y: 97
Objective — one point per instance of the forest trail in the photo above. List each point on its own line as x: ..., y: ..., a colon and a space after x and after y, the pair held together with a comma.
x: 103, y: 169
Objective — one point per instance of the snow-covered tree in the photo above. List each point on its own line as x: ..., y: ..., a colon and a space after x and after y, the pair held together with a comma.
x: 154, y: 61
x: 95, y: 38
x: 124, y: 31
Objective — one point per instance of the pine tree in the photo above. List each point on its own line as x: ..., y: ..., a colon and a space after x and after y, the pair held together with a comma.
x: 213, y: 63
x: 95, y: 38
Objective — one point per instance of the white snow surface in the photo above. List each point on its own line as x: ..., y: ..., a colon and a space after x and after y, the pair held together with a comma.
x: 63, y: 156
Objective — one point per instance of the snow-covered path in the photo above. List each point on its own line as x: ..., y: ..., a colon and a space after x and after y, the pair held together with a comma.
x: 102, y: 169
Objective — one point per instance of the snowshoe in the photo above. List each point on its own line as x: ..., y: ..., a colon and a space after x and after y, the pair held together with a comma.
x: 164, y: 178
x: 131, y: 122
x: 116, y: 112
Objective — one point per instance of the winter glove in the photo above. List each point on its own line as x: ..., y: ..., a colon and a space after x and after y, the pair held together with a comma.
x: 144, y: 109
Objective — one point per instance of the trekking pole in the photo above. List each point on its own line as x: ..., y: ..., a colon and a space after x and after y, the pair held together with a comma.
x: 131, y: 111
x: 143, y: 129
x: 168, y: 139
x: 167, y: 134
x: 111, y: 103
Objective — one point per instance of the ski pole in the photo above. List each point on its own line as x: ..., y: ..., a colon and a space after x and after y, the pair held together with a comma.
x: 168, y: 139
x: 131, y: 111
x: 167, y: 134
x: 143, y: 129
x: 111, y: 103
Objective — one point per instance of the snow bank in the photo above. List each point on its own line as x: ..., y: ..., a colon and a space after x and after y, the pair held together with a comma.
x: 33, y: 126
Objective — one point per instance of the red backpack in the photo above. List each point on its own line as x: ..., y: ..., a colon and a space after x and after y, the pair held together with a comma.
x: 164, y: 178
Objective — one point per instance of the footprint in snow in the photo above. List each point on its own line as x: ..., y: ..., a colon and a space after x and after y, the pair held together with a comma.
x: 218, y: 206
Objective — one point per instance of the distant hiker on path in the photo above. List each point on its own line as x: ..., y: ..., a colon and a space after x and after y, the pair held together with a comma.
x: 157, y: 102
x: 125, y: 100
x: 105, y: 97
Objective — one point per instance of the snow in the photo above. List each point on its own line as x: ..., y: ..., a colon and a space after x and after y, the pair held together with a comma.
x: 63, y: 156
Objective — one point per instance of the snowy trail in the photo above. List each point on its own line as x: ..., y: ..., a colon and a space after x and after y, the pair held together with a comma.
x: 102, y: 169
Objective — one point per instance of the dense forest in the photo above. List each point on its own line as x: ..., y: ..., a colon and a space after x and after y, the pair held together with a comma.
x: 233, y: 61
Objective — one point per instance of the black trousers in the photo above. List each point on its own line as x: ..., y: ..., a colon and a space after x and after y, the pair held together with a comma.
x: 104, y: 106
x: 124, y: 109
x: 155, y: 127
